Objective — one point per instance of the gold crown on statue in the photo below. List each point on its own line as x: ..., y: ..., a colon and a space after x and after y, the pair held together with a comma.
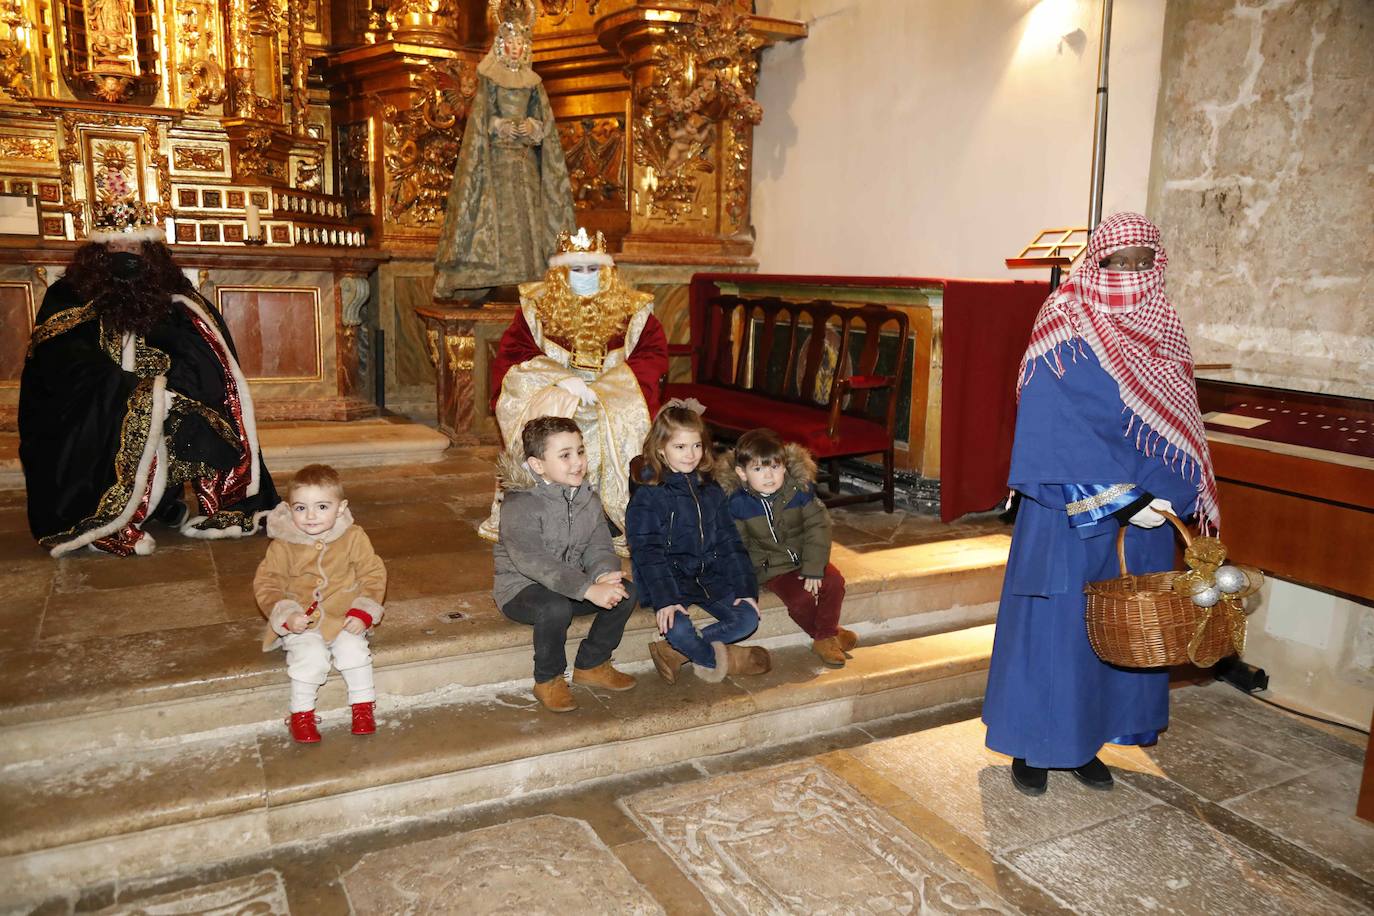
x: 124, y: 220
x: 581, y: 249
x: 514, y: 26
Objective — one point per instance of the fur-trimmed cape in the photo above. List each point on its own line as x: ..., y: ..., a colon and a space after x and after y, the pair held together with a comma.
x: 112, y: 425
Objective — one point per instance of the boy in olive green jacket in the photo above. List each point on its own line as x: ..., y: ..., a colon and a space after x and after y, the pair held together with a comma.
x: 786, y: 529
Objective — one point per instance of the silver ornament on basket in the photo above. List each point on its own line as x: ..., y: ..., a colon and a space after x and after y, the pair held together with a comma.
x: 1230, y: 579
x: 1207, y: 597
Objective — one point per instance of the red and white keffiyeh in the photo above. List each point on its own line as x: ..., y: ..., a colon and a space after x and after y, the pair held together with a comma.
x: 1126, y: 318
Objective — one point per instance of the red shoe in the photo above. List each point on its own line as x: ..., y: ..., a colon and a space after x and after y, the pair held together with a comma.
x: 303, y: 727
x: 363, y: 723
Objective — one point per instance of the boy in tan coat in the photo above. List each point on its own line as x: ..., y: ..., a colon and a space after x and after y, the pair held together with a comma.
x: 321, y: 587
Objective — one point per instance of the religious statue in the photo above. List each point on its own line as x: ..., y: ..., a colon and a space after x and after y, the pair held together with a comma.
x: 131, y: 389
x: 108, y: 22
x: 511, y: 194
x: 584, y: 345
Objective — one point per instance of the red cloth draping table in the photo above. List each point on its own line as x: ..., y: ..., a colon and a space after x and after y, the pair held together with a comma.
x: 987, y: 324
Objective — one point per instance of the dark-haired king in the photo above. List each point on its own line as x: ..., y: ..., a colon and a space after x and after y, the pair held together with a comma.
x: 132, y: 390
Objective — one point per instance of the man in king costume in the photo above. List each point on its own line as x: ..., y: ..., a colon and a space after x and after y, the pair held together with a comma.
x: 130, y: 390
x: 584, y: 345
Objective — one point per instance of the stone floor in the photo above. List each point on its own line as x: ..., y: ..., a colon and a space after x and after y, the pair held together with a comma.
x: 1239, y: 809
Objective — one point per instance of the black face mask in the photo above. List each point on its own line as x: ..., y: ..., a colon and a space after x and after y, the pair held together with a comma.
x: 126, y: 265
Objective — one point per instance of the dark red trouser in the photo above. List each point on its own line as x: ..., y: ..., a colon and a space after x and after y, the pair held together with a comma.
x: 818, y: 616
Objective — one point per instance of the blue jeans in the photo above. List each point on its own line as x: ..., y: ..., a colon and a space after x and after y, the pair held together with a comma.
x: 733, y: 623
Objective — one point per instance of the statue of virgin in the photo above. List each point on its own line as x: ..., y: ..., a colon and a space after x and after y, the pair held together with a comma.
x: 511, y: 195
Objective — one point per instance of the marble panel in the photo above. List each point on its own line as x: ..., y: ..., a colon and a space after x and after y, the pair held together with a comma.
x: 1162, y: 860
x: 539, y: 865
x: 16, y: 321
x: 276, y: 330
x: 409, y: 354
x: 951, y: 772
x: 798, y: 839
x: 1317, y: 812
x: 262, y: 894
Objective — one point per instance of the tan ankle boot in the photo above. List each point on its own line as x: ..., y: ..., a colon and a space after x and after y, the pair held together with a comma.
x: 848, y: 639
x: 603, y: 676
x: 828, y: 651
x: 749, y: 660
x: 667, y: 660
x: 555, y: 695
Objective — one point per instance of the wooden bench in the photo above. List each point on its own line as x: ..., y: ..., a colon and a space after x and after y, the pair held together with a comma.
x: 758, y: 362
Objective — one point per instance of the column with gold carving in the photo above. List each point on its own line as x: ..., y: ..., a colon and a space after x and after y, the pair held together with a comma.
x: 693, y: 67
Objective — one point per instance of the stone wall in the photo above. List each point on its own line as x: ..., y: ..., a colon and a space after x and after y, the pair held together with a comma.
x: 1263, y: 182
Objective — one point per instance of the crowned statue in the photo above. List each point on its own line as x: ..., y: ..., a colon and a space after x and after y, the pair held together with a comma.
x: 132, y: 389
x: 511, y: 194
x: 584, y: 345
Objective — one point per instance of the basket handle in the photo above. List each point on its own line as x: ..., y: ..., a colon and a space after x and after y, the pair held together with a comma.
x: 1121, y: 539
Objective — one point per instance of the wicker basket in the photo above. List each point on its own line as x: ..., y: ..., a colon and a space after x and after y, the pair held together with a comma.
x: 1141, y: 622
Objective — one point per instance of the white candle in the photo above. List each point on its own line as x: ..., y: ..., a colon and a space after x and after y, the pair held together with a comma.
x: 254, y: 226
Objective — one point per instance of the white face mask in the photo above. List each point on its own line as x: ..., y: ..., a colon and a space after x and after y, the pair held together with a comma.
x: 584, y: 283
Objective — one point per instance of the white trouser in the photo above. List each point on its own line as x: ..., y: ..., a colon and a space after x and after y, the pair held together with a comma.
x: 307, y: 664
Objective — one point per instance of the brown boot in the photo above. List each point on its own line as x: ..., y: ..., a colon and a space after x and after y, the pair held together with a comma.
x: 749, y: 660
x: 603, y: 676
x: 555, y: 695
x: 828, y: 651
x: 848, y: 639
x: 667, y: 660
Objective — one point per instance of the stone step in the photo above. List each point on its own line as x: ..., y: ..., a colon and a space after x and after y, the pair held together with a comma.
x: 187, y: 804
x: 77, y: 698
x: 290, y: 445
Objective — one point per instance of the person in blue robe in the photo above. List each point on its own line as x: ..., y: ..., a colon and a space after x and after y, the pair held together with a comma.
x: 1085, y: 462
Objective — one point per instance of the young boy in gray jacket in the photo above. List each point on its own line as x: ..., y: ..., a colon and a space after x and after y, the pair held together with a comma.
x: 555, y: 561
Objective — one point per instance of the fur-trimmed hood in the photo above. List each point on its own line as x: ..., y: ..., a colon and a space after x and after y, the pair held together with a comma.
x: 281, y: 528
x: 797, y: 461
x: 512, y: 474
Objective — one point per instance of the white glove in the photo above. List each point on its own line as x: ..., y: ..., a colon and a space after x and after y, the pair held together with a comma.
x: 578, y: 388
x: 1149, y: 517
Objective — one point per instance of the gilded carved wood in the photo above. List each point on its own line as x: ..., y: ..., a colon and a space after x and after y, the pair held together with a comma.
x: 361, y: 104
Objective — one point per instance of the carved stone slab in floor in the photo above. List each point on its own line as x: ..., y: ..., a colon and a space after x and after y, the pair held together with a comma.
x: 261, y: 895
x: 797, y: 839
x: 539, y: 865
x: 1161, y: 860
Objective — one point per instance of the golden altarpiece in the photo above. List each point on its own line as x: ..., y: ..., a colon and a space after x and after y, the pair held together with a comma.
x: 299, y: 153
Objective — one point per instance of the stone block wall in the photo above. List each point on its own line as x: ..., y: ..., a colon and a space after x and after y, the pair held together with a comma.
x: 1263, y: 182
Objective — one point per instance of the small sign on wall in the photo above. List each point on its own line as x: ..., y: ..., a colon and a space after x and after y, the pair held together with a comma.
x: 19, y: 215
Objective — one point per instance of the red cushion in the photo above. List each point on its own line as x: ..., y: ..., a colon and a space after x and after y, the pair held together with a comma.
x: 739, y: 411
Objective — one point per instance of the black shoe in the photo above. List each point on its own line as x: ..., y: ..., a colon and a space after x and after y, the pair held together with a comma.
x: 1028, y: 780
x: 172, y: 513
x: 1094, y: 774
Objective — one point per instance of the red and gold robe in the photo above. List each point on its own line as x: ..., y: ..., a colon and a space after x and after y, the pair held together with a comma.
x: 611, y: 341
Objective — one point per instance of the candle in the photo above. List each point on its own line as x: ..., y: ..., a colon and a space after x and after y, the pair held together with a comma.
x: 254, y: 227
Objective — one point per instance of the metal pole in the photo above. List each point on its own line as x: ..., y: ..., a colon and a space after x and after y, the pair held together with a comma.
x: 1100, y: 118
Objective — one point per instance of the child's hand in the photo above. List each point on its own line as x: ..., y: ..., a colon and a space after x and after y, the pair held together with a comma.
x: 665, y: 617
x: 752, y: 602
x: 606, y: 594
x: 355, y: 626
x: 616, y: 576
x: 812, y: 585
x: 297, y: 622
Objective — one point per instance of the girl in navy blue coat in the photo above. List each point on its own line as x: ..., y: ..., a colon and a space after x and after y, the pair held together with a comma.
x: 686, y: 551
